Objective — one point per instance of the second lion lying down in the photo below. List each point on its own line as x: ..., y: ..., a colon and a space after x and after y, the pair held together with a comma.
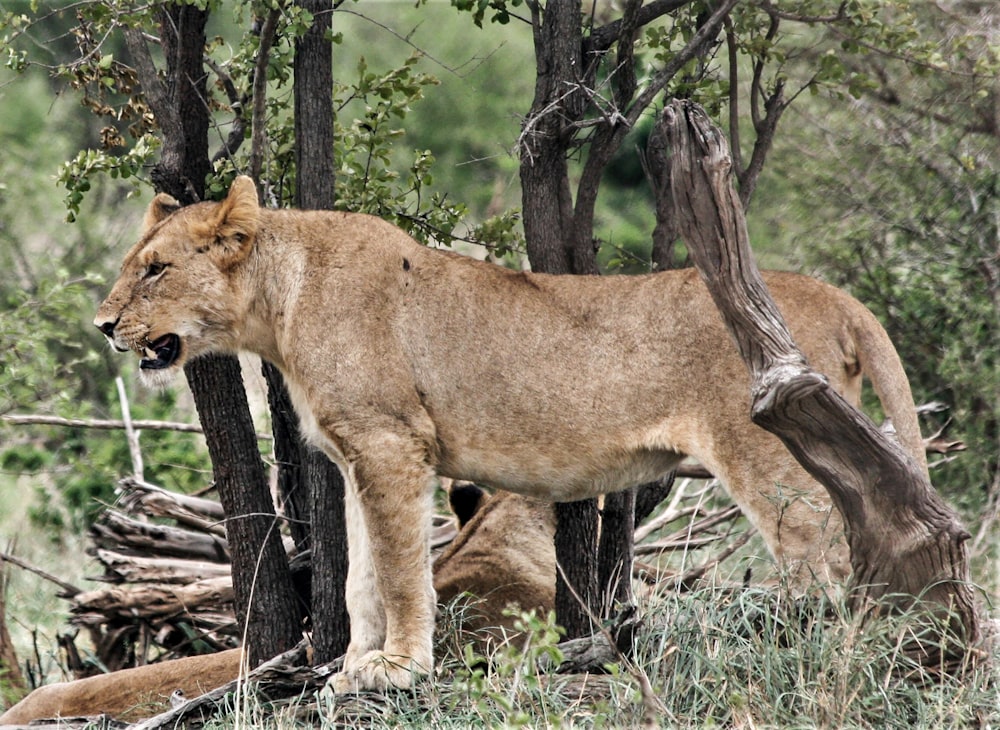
x: 404, y: 362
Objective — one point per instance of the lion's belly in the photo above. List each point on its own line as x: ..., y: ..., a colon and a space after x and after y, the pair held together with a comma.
x: 558, y: 473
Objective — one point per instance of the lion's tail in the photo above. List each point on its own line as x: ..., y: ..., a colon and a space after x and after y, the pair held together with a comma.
x: 880, y: 362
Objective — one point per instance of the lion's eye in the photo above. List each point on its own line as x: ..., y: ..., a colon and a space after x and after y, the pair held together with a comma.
x: 155, y: 269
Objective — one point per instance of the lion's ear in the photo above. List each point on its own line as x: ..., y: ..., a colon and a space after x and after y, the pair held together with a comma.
x: 162, y: 206
x: 236, y: 220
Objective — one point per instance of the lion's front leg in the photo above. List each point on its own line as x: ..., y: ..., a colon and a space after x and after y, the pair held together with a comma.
x: 364, y: 602
x: 389, y: 581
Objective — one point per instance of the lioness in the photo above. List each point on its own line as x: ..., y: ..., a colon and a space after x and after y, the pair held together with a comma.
x: 128, y: 694
x: 403, y: 361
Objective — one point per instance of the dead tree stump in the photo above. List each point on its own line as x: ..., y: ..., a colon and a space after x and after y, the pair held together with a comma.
x: 908, y: 548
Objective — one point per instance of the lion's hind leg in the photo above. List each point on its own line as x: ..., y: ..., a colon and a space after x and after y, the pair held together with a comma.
x: 792, y: 511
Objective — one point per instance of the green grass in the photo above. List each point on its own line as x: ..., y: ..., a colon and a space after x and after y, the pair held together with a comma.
x: 714, y: 657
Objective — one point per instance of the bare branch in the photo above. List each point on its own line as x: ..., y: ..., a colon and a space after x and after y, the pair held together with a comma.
x: 775, y: 13
x: 734, y: 98
x: 602, y: 38
x: 705, y: 33
x: 68, y: 589
x: 135, y: 451
x: 237, y: 134
x: 258, y: 137
x: 16, y: 419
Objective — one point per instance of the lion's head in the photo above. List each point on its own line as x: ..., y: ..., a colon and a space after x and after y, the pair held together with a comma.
x: 178, y: 294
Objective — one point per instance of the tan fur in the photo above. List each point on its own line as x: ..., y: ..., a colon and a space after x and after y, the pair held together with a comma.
x: 504, y: 556
x: 130, y: 694
x: 403, y: 361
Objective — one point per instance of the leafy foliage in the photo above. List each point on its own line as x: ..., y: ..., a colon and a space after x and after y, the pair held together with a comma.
x: 909, y: 223
x: 38, y: 363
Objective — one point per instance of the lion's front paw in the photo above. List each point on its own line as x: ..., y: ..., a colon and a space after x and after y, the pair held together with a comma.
x: 378, y: 671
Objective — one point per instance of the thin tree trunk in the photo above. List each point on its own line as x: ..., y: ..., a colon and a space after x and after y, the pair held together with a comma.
x: 558, y: 231
x: 547, y: 202
x: 314, y: 189
x: 12, y: 684
x: 262, y: 583
x: 908, y: 547
x: 577, y: 594
x: 616, y: 550
x: 289, y: 456
x: 547, y: 206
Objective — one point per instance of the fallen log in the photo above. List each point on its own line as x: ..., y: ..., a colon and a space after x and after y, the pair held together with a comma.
x: 122, y: 568
x: 149, y: 602
x: 139, y: 497
x: 119, y: 532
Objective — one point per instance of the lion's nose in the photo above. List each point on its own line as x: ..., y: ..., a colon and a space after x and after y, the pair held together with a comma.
x: 108, y: 327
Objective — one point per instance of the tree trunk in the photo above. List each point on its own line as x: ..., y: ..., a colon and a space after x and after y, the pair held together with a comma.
x: 330, y: 622
x: 616, y: 550
x: 545, y: 192
x: 577, y: 593
x: 547, y: 206
x: 184, y: 163
x: 289, y: 456
x: 908, y: 547
x: 314, y: 110
x: 571, y: 110
x: 262, y: 581
x: 12, y: 684
x: 314, y: 189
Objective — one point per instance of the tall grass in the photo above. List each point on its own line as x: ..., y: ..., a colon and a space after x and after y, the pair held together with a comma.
x: 715, y: 657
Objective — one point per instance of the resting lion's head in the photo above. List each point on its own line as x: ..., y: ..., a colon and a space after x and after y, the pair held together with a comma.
x: 178, y: 294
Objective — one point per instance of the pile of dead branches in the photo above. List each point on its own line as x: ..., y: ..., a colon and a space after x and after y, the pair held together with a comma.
x: 169, y: 591
x: 167, y: 587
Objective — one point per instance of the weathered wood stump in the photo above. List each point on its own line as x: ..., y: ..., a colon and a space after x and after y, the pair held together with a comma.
x: 908, y: 548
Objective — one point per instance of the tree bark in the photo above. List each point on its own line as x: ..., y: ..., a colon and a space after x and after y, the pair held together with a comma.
x: 577, y: 593
x: 265, y: 602
x: 908, y: 548
x: 12, y: 684
x: 289, y: 456
x: 330, y: 622
x: 547, y: 202
x: 314, y: 189
x: 616, y: 550
x: 547, y: 206
x: 115, y: 530
x: 262, y: 582
x: 184, y: 162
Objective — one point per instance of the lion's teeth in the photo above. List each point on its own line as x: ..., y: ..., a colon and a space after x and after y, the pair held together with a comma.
x: 150, y: 353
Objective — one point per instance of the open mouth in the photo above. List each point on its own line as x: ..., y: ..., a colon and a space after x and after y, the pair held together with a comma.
x: 162, y: 353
